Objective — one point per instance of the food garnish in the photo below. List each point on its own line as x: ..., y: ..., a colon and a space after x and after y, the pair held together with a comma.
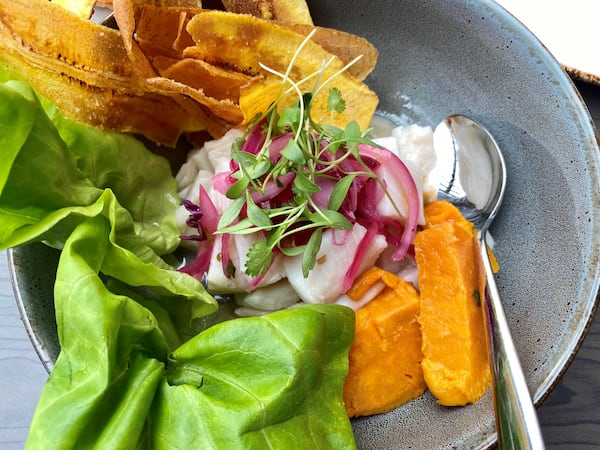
x: 293, y: 177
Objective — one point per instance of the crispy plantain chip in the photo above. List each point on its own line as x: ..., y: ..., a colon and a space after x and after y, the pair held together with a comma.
x: 244, y: 43
x: 128, y: 14
x: 286, y: 11
x: 174, y: 68
x: 161, y: 30
x: 83, y: 8
x: 224, y: 109
x: 345, y: 46
x: 216, y: 82
x: 257, y: 8
x: 85, y: 70
x: 179, y: 3
x: 106, y: 108
x: 77, y: 46
x: 292, y: 11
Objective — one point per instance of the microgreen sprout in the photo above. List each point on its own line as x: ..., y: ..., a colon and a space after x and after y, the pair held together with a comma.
x: 275, y: 193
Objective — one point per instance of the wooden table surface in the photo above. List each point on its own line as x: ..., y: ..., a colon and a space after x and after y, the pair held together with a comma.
x: 570, y: 416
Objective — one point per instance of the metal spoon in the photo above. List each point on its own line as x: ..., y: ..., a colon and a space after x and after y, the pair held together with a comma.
x: 473, y: 177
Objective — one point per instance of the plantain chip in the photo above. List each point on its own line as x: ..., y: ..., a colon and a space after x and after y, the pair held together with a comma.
x: 194, y: 4
x: 345, y: 46
x: 174, y: 68
x: 161, y: 30
x: 258, y: 8
x: 216, y: 82
x: 106, y: 108
x: 126, y: 14
x: 86, y: 71
x: 242, y: 42
x: 80, y: 47
x: 286, y: 11
x: 82, y: 8
x: 292, y: 11
x: 224, y: 109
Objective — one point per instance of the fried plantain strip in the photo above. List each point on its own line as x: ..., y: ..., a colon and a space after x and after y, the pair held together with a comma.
x: 345, y: 46
x: 215, y: 81
x: 285, y: 11
x: 292, y: 11
x: 75, y: 43
x: 161, y: 30
x: 262, y: 9
x: 105, y: 108
x: 85, y: 70
x: 242, y: 42
x: 126, y: 13
x: 224, y: 109
x: 83, y: 8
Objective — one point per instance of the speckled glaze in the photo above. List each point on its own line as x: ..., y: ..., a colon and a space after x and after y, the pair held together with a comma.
x: 439, y: 57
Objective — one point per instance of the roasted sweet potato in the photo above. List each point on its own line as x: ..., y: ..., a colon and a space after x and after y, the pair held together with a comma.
x: 385, y: 369
x: 455, y: 359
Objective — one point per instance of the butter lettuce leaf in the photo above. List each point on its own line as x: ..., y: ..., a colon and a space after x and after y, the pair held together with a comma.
x: 269, y: 382
x: 55, y: 163
x: 133, y: 372
x: 50, y: 186
x: 109, y: 367
x: 274, y: 381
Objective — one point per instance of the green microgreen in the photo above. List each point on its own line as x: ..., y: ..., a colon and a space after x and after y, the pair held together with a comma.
x: 295, y: 226
x: 339, y: 192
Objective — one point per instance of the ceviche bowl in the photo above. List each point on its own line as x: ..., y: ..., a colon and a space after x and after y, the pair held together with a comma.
x: 436, y: 58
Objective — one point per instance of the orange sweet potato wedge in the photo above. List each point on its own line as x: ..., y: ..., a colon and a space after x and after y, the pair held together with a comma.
x: 385, y: 357
x: 455, y: 359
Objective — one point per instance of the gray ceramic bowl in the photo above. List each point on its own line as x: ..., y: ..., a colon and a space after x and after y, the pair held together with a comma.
x: 439, y: 57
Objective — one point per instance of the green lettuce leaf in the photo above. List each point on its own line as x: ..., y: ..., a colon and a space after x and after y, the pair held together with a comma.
x: 50, y: 186
x: 109, y: 367
x: 269, y: 382
x: 56, y: 163
x: 132, y: 371
x: 110, y: 160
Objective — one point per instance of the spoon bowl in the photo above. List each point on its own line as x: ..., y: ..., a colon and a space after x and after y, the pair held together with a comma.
x: 472, y: 176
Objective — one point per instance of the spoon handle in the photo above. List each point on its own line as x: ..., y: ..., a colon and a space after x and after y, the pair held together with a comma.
x: 516, y: 419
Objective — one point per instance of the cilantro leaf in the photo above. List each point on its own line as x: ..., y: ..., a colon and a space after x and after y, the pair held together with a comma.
x: 335, y: 102
x: 257, y: 215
